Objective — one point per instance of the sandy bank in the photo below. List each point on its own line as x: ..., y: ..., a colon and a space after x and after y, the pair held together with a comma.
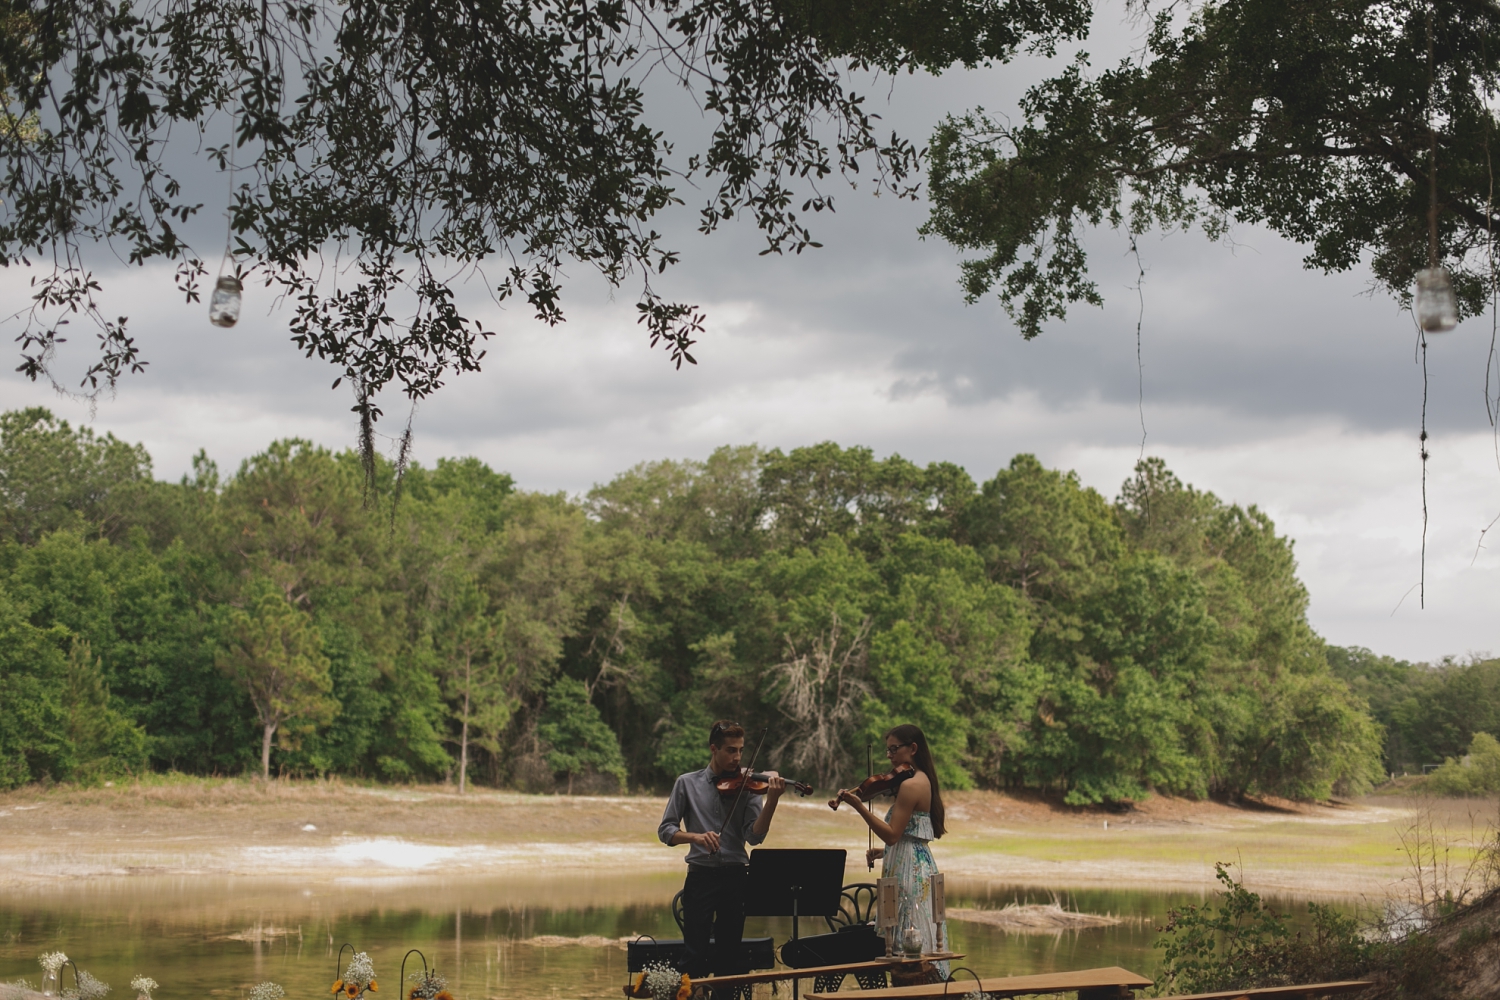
x: 334, y: 831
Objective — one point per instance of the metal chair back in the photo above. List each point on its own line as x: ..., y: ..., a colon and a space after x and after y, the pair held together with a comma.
x: 856, y: 906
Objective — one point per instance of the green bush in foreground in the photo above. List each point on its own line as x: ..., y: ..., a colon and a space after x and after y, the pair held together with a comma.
x: 1239, y: 942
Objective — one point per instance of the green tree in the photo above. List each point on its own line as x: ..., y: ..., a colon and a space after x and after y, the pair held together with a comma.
x: 914, y: 677
x: 53, y: 476
x: 578, y: 741
x: 1390, y: 687
x: 1303, y: 738
x: 470, y: 660
x: 275, y: 654
x: 1339, y: 126
x: 33, y: 718
x: 57, y: 719
x: 1041, y: 532
x: 103, y: 742
x: 950, y: 655
x: 683, y: 746
x: 820, y: 630
x: 824, y: 490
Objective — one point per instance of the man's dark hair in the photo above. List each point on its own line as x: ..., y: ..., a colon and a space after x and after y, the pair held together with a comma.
x: 724, y: 730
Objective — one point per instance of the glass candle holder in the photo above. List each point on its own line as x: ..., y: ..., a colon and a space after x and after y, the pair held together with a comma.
x: 1436, y: 307
x: 224, y: 304
x: 911, y: 940
x: 50, y: 986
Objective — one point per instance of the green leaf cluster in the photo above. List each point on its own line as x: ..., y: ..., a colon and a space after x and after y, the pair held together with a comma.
x: 1351, y: 129
x: 425, y: 142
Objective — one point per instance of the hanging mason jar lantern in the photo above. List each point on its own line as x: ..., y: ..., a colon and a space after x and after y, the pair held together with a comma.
x: 1436, y: 306
x: 224, y: 304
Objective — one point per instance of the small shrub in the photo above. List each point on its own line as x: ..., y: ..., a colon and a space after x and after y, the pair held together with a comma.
x: 1239, y: 942
x: 1476, y: 774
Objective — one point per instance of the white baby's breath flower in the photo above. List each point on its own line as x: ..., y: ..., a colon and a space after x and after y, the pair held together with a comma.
x: 360, y: 971
x: 267, y: 991
x: 429, y: 984
x: 662, y: 980
x: 88, y: 988
x: 52, y: 961
x: 143, y: 985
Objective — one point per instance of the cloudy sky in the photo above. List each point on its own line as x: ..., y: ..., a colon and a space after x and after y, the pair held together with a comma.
x: 1260, y: 381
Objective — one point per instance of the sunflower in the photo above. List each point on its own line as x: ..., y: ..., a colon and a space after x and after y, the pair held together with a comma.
x: 351, y: 990
x: 338, y: 984
x: 374, y: 988
x: 685, y: 990
x: 639, y: 989
x: 443, y: 995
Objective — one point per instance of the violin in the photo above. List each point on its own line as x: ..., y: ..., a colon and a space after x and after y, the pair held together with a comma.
x: 875, y: 784
x: 753, y: 783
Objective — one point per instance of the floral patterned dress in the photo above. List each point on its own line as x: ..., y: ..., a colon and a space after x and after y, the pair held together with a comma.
x: 909, y: 861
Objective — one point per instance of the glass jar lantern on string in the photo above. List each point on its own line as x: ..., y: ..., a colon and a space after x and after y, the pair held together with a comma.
x: 1436, y: 305
x: 224, y: 303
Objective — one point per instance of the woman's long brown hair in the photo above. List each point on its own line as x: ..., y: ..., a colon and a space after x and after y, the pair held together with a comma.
x: 913, y: 734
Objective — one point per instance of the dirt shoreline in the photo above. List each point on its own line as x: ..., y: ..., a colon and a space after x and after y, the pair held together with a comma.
x: 332, y: 831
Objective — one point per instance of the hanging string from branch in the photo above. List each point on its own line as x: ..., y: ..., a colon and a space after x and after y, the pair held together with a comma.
x: 1491, y: 397
x: 1422, y: 581
x: 1140, y: 316
x: 1436, y: 306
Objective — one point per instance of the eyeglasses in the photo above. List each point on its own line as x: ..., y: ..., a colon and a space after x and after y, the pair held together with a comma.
x: 890, y: 751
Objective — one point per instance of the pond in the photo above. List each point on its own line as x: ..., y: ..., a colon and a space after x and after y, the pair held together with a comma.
x: 495, y: 939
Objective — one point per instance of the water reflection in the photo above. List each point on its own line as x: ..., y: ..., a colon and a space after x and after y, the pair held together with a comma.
x: 495, y: 939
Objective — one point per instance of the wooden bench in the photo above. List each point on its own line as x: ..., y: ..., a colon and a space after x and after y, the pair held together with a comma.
x: 1306, y: 990
x: 814, y: 971
x: 1089, y: 984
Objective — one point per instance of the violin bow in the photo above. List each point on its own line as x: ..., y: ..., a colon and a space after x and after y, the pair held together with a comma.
x: 741, y: 793
x: 869, y: 830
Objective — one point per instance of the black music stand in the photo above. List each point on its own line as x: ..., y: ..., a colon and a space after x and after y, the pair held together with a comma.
x: 796, y: 883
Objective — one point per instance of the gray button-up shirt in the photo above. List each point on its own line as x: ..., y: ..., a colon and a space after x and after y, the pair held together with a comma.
x: 697, y: 807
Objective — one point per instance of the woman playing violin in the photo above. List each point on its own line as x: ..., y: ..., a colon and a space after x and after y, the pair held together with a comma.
x: 912, y: 822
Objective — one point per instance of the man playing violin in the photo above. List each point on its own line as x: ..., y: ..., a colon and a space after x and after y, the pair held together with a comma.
x: 717, y: 827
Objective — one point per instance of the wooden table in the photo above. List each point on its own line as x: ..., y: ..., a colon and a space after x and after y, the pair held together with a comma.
x: 813, y: 971
x: 1289, y: 992
x: 1090, y: 984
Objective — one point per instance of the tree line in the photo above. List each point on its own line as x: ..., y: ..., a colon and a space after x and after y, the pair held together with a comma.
x: 446, y: 625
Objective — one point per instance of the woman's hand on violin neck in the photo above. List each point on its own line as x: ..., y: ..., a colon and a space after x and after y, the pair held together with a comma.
x: 847, y: 795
